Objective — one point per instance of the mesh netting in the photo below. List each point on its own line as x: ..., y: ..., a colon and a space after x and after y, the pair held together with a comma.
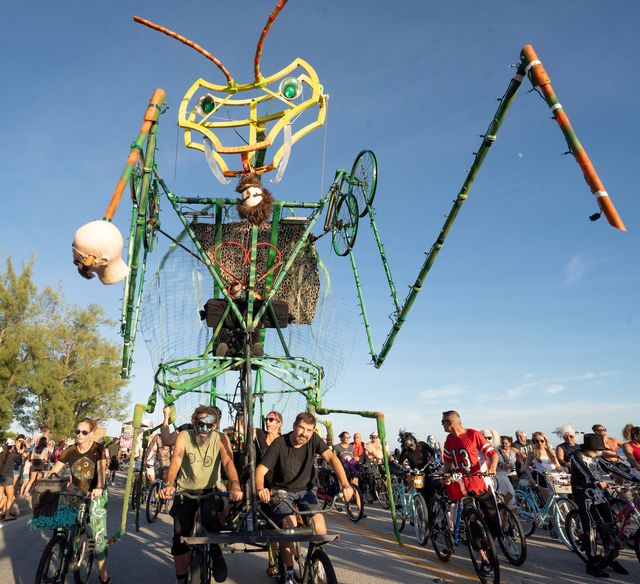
x: 177, y: 289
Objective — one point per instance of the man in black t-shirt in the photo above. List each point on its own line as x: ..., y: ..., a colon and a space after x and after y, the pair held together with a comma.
x: 290, y: 457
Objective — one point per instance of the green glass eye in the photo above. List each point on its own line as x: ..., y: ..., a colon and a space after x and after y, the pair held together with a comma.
x: 206, y: 104
x: 290, y: 88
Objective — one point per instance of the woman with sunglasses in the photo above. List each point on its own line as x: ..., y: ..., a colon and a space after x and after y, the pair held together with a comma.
x: 87, y: 460
x: 565, y: 450
x: 540, y: 461
x: 264, y: 439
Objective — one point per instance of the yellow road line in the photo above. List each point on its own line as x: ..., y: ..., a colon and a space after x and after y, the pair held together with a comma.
x: 419, y: 560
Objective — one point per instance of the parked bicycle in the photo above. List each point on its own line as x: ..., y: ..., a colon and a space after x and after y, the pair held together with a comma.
x: 532, y: 514
x: 371, y: 484
x: 71, y: 546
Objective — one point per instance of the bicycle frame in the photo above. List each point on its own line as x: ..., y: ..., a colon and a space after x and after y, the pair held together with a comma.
x: 540, y: 515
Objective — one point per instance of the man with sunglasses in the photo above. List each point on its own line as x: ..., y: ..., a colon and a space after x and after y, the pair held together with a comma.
x: 610, y: 443
x: 195, y: 468
x: 467, y: 451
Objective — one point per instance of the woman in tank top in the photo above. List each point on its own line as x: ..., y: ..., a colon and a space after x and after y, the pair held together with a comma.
x: 632, y: 449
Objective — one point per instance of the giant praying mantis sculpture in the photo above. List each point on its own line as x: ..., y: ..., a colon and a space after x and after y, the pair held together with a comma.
x: 245, y: 289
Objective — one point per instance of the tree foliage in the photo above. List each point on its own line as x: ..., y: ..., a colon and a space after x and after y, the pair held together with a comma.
x: 55, y: 366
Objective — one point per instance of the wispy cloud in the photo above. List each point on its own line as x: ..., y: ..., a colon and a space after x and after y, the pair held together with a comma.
x: 554, y: 385
x: 445, y: 391
x: 575, y: 270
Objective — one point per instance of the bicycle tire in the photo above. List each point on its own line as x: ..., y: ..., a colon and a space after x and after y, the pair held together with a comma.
x: 354, y: 510
x: 134, y: 493
x: 512, y: 532
x: 56, y: 550
x: 321, y: 569
x: 382, y: 493
x: 401, y: 514
x: 197, y: 573
x: 441, y: 536
x: 345, y: 225
x: 83, y: 556
x: 574, y: 532
x: 636, y: 544
x: 364, y: 180
x: 154, y: 503
x: 526, y: 515
x: 479, y: 539
x: 420, y: 519
x: 561, y: 508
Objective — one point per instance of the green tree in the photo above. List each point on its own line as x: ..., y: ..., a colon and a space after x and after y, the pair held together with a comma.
x: 17, y: 303
x: 55, y: 366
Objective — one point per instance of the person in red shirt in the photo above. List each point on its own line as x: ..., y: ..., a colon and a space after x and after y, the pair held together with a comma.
x: 358, y: 446
x: 467, y: 451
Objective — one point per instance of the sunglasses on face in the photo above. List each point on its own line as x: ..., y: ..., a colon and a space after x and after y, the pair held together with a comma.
x: 445, y: 421
x: 272, y: 420
x: 204, y: 426
x: 83, y: 432
x: 601, y: 430
x: 538, y: 441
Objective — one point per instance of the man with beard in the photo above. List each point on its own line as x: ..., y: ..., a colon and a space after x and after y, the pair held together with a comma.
x: 195, y: 468
x: 290, y: 457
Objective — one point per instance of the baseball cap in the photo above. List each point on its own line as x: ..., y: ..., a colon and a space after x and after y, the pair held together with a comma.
x: 96, y: 250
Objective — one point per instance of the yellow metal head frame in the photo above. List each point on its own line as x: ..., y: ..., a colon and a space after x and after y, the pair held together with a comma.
x: 245, y: 120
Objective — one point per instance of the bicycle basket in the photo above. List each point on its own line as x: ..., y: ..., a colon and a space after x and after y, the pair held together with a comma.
x: 415, y: 480
x: 55, y: 508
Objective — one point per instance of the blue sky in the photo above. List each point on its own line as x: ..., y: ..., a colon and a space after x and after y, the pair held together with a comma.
x: 530, y: 315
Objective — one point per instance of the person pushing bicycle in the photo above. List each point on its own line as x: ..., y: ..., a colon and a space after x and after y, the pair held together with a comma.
x: 195, y: 468
x: 290, y: 457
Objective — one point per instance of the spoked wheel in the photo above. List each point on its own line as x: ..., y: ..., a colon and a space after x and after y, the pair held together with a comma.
x: 364, y: 179
x: 135, y: 488
x: 154, y: 503
x: 561, y: 508
x: 401, y: 513
x: 345, y: 224
x: 512, y: 540
x: 382, y: 494
x: 321, y: 570
x: 51, y: 569
x: 420, y: 519
x: 198, y: 572
x: 482, y: 550
x: 441, y: 536
x: 525, y: 514
x: 355, y: 507
x: 575, y: 535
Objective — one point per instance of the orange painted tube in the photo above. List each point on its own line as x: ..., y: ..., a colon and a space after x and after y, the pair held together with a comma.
x: 539, y: 78
x: 150, y: 117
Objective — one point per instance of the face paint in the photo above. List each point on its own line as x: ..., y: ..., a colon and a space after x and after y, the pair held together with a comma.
x: 251, y: 196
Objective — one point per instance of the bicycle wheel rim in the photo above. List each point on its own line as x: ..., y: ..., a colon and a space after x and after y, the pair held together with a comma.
x: 512, y: 540
x: 364, y: 180
x: 154, y: 502
x: 51, y: 567
x: 83, y: 559
x: 355, y: 510
x: 573, y: 527
x: 420, y: 520
x: 561, y: 509
x: 322, y: 571
x: 441, y: 537
x: 382, y: 494
x: 525, y: 514
x: 479, y: 539
x: 345, y: 227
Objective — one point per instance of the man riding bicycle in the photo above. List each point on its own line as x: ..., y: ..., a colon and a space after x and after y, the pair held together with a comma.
x: 195, y: 468
x: 467, y: 451
x: 290, y: 457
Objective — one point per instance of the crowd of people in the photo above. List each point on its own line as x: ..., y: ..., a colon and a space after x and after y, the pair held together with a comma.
x: 198, y: 458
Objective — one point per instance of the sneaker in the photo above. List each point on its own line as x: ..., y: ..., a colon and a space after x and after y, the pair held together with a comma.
x: 218, y: 565
x: 486, y: 569
x: 618, y: 568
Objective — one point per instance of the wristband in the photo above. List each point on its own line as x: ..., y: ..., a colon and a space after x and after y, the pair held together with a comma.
x: 170, y: 484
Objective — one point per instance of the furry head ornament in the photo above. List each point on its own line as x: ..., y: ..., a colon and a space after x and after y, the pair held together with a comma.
x: 255, y: 202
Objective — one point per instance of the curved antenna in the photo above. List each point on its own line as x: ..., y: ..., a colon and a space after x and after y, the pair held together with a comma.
x: 265, y: 31
x: 186, y: 41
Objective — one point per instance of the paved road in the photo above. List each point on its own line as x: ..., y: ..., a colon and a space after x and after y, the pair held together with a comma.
x: 366, y: 553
